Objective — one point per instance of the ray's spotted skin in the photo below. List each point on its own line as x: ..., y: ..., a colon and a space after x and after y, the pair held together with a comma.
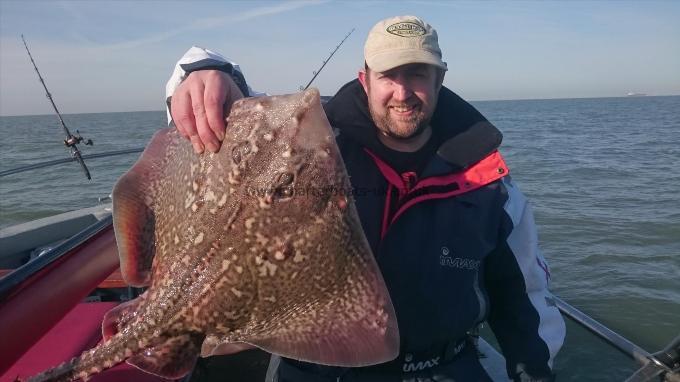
x: 259, y: 243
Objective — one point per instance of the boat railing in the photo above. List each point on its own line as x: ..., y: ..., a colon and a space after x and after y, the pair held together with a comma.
x: 69, y: 160
x: 664, y: 363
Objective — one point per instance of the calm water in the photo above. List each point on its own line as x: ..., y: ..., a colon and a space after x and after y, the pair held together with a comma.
x: 603, y: 176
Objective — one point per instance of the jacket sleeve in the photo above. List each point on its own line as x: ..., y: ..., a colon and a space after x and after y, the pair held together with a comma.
x: 527, y: 325
x: 201, y: 59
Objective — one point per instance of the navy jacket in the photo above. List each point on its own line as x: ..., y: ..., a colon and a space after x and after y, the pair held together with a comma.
x: 457, y: 246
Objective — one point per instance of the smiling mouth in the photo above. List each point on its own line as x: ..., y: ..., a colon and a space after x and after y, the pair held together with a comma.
x: 404, y: 109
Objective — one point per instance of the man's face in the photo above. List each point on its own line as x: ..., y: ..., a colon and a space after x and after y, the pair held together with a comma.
x: 402, y: 100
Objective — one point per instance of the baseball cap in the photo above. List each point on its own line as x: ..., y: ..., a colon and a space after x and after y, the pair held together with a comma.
x: 402, y: 40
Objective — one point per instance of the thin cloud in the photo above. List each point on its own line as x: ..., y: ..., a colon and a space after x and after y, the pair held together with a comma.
x: 257, y: 12
x: 216, y: 22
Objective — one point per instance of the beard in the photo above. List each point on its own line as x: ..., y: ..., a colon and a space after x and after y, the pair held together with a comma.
x: 399, y: 128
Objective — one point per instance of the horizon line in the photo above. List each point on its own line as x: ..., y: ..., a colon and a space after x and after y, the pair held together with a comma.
x: 468, y: 100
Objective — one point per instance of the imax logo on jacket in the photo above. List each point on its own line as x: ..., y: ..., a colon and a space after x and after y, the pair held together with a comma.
x: 457, y: 262
x: 410, y: 365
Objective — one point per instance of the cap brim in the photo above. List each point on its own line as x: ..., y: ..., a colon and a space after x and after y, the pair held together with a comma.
x: 385, y: 61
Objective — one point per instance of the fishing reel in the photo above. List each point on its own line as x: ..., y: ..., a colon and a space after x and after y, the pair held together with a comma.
x: 77, y: 138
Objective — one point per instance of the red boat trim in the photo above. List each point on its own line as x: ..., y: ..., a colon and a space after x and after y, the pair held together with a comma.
x: 35, y: 305
x: 13, y: 281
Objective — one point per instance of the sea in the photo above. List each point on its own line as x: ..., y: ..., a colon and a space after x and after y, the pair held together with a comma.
x: 602, y: 175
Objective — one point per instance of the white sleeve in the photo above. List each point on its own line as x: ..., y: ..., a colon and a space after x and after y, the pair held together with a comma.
x: 196, y: 55
x: 525, y: 320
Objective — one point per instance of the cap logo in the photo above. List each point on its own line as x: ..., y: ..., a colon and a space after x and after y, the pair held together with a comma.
x: 406, y: 29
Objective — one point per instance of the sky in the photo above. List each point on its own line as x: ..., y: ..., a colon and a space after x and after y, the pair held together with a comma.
x: 110, y: 56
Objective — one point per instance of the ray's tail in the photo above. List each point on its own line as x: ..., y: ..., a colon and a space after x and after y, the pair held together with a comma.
x: 168, y: 356
x: 115, y: 350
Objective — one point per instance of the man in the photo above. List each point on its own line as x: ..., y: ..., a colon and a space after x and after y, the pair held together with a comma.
x: 454, y: 237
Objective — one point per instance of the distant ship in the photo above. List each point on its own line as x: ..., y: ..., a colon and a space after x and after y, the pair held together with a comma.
x: 631, y: 94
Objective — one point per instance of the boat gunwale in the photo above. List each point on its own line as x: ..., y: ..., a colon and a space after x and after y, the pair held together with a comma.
x: 14, y: 279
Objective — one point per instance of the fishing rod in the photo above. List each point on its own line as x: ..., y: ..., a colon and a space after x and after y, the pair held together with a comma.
x: 316, y: 72
x: 71, y: 140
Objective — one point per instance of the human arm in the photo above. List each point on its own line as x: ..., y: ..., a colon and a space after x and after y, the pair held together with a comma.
x: 528, y: 326
x: 200, y: 93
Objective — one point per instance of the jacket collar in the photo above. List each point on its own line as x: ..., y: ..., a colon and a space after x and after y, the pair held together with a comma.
x: 464, y: 136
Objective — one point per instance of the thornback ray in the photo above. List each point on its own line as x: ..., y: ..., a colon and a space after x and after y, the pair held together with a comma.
x: 259, y: 243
